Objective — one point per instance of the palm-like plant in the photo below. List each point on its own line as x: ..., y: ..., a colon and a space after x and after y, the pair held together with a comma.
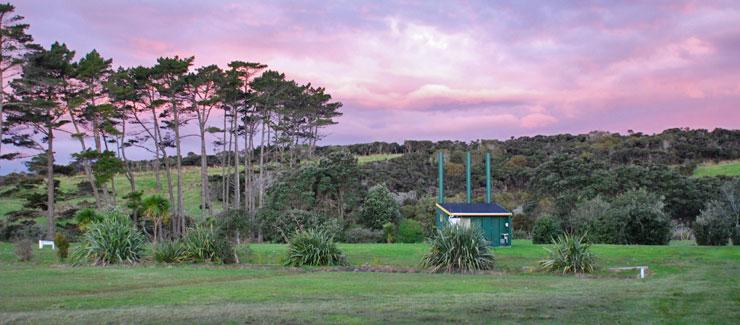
x: 457, y: 248
x: 570, y: 254
x: 156, y: 208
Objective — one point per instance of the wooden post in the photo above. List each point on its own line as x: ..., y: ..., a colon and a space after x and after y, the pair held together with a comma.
x: 488, y: 177
x: 467, y: 178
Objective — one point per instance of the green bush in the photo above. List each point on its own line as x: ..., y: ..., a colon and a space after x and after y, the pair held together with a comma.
x: 62, y: 245
x: 24, y: 250
x: 389, y: 232
x: 110, y: 241
x: 570, y: 254
x: 85, y: 217
x: 359, y: 234
x: 457, y: 248
x: 379, y: 208
x: 314, y: 248
x: 168, y: 252
x: 714, y: 226
x: 545, y: 229
x: 736, y: 236
x: 637, y: 217
x: 410, y: 231
x: 201, y: 244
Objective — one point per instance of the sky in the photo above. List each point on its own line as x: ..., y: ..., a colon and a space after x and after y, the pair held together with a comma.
x: 434, y: 70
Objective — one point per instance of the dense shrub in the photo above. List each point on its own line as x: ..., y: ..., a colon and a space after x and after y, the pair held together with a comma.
x: 569, y: 254
x: 168, y: 252
x: 201, y: 244
x: 24, y: 250
x: 680, y: 231
x: 279, y: 225
x: 359, y: 234
x: 86, y: 216
x: 410, y: 231
x: 110, y: 241
x: 521, y: 234
x: 587, y: 215
x: 234, y: 223
x: 313, y: 247
x: 714, y: 226
x: 62, y: 245
x: 640, y: 219
x: 389, y: 232
x: 457, y: 248
x: 545, y: 229
x: 379, y: 208
x: 736, y: 236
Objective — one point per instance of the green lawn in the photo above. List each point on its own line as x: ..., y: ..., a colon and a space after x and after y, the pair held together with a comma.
x: 727, y: 168
x: 687, y: 284
x: 361, y: 160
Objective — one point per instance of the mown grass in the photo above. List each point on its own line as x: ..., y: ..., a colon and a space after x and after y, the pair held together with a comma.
x: 361, y: 160
x: 688, y: 284
x: 727, y: 168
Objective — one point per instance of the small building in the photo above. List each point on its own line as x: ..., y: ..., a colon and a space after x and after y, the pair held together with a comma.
x: 491, y: 218
x: 494, y: 220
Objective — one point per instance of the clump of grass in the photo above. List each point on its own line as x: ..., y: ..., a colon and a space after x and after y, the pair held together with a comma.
x: 314, y: 248
x: 113, y: 240
x: 569, y: 254
x: 201, y: 244
x: 457, y: 248
x: 62, y: 245
x: 168, y: 252
x: 24, y: 250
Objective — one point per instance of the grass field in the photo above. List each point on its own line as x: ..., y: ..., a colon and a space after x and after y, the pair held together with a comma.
x: 361, y: 160
x: 727, y: 168
x: 687, y: 284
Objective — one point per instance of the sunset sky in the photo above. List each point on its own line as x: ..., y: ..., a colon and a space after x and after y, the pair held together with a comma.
x: 446, y: 70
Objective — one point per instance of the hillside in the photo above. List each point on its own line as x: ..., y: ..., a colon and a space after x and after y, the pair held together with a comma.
x: 725, y: 168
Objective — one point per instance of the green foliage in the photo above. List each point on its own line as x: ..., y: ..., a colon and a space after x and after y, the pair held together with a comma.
x: 637, y: 217
x: 545, y: 229
x: 314, y: 248
x: 410, y: 231
x: 112, y: 240
x: 62, y: 245
x: 379, y: 208
x: 24, y: 250
x: 85, y: 217
x: 359, y: 234
x: 279, y: 225
x: 168, y: 251
x: 457, y: 248
x: 569, y: 254
x: 736, y: 236
x: 714, y: 226
x: 234, y: 223
x: 201, y: 244
x: 389, y: 232
x: 587, y: 215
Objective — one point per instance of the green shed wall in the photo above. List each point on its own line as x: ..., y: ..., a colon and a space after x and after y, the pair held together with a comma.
x: 493, y: 228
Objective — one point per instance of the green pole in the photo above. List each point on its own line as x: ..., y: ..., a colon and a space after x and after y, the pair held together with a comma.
x: 488, y: 177
x: 467, y: 177
x: 440, y: 177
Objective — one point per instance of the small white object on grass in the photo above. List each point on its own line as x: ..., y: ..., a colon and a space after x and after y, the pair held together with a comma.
x: 642, y: 269
x: 43, y: 243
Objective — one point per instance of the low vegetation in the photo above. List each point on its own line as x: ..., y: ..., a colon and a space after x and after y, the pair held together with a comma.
x: 456, y: 248
x: 569, y: 254
x: 113, y: 240
x: 313, y: 247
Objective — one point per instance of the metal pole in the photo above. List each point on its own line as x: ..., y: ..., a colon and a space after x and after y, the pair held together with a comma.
x: 488, y: 177
x: 440, y: 177
x: 467, y: 177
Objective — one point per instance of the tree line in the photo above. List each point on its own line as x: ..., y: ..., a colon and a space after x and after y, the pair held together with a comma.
x: 108, y: 111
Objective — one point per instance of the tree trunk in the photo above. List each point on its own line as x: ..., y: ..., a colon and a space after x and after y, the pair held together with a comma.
x: 180, y: 217
x: 237, y: 187
x: 129, y: 172
x: 86, y: 164
x: 50, y: 184
x: 157, y: 144
x: 204, y: 195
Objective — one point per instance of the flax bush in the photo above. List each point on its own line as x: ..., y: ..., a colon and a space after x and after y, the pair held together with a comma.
x: 315, y: 248
x: 112, y: 240
x: 456, y: 248
x: 570, y: 254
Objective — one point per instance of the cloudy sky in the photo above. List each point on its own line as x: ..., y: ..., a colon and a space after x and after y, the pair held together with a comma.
x: 446, y: 70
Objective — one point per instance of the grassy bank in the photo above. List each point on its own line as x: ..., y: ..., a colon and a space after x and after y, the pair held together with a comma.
x: 687, y: 284
x: 726, y: 168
